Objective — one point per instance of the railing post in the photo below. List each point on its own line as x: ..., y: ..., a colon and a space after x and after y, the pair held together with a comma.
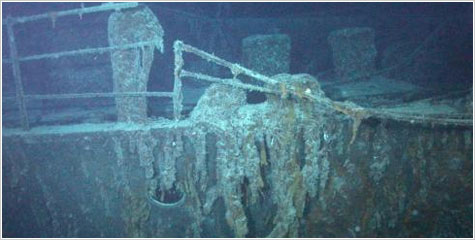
x: 17, y: 76
x: 177, y: 86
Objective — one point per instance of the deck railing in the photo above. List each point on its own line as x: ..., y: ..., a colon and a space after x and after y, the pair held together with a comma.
x: 356, y: 112
x: 15, y: 60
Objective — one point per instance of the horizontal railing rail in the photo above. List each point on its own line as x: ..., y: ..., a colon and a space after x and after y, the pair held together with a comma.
x: 92, y: 95
x: 78, y: 11
x: 86, y: 51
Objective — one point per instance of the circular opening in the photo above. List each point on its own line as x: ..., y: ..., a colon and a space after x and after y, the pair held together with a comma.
x: 172, y: 197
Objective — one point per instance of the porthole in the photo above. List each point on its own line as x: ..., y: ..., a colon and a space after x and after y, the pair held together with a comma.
x: 171, y: 198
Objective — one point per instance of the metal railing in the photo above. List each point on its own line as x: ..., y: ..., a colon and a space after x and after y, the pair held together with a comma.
x: 15, y: 60
x: 179, y: 47
x: 356, y: 112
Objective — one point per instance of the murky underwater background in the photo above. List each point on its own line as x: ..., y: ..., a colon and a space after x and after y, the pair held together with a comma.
x: 266, y: 120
